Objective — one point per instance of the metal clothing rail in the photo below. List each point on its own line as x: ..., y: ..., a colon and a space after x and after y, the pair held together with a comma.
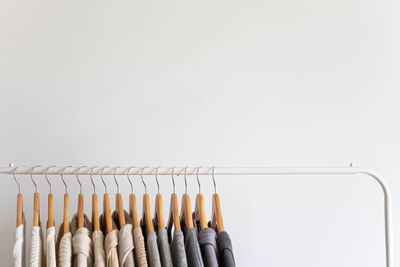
x: 105, y: 170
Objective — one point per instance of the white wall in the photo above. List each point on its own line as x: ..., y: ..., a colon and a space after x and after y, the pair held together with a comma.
x: 248, y: 83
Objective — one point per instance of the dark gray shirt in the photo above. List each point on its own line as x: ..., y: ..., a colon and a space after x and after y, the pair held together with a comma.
x: 225, y: 250
x: 178, y: 250
x: 208, y: 246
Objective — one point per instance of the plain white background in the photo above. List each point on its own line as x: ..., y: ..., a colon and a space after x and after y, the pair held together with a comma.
x: 228, y: 83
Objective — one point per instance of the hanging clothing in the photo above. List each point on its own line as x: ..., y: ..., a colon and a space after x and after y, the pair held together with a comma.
x: 225, y: 250
x: 125, y: 241
x: 51, y: 247
x: 110, y: 244
x: 98, y: 249
x: 193, y: 253
x: 37, y: 254
x: 19, y: 245
x: 140, y: 251
x: 163, y: 248
x: 152, y: 250
x: 178, y: 253
x: 111, y: 252
x: 64, y: 248
x: 126, y: 246
x: 81, y: 242
x: 208, y: 246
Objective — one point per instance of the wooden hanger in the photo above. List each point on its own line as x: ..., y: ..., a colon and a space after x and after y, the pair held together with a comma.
x: 158, y: 220
x: 19, y: 209
x: 66, y: 204
x: 173, y: 218
x: 50, y: 203
x: 119, y: 204
x: 200, y: 210
x: 20, y: 206
x: 95, y: 204
x: 36, y: 202
x: 106, y: 205
x: 132, y: 203
x: 186, y: 209
x: 146, y: 216
x: 216, y: 209
x: 36, y: 209
x: 81, y: 216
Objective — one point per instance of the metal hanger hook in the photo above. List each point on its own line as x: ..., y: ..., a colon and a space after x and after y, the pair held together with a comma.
x: 62, y: 178
x: 197, y: 176
x: 33, y: 181
x: 115, y: 178
x: 129, y: 179
x: 173, y: 179
x: 47, y: 178
x: 141, y: 176
x: 15, y: 179
x: 215, y: 185
x: 77, y: 178
x: 158, y: 184
x: 91, y: 178
x: 185, y: 180
x: 102, y: 180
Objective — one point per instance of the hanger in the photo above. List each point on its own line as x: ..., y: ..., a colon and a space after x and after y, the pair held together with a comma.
x: 186, y: 209
x: 173, y: 218
x: 106, y: 205
x: 50, y: 202
x: 216, y: 209
x: 20, y: 207
x: 200, y: 210
x: 146, y: 216
x: 95, y: 204
x: 81, y: 216
x: 36, y: 202
x: 66, y: 203
x: 119, y: 204
x: 132, y: 202
x: 159, y: 209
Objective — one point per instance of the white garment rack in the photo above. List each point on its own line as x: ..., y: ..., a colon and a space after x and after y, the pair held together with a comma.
x: 70, y: 170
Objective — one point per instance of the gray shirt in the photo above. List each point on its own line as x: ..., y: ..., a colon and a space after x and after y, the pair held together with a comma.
x: 163, y: 248
x: 152, y: 250
x: 193, y: 253
x: 178, y: 250
x: 225, y: 250
x: 208, y: 246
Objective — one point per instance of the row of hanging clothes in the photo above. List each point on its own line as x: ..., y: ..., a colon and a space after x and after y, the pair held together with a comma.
x: 121, y: 238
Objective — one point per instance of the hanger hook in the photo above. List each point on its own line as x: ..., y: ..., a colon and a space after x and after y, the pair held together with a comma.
x: 185, y: 180
x: 77, y: 178
x: 15, y: 179
x: 173, y: 179
x: 129, y: 179
x: 47, y: 178
x: 215, y: 185
x: 62, y: 178
x: 158, y: 184
x: 33, y: 181
x: 91, y: 179
x: 141, y: 176
x: 102, y: 180
x: 115, y: 178
x: 198, y: 181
